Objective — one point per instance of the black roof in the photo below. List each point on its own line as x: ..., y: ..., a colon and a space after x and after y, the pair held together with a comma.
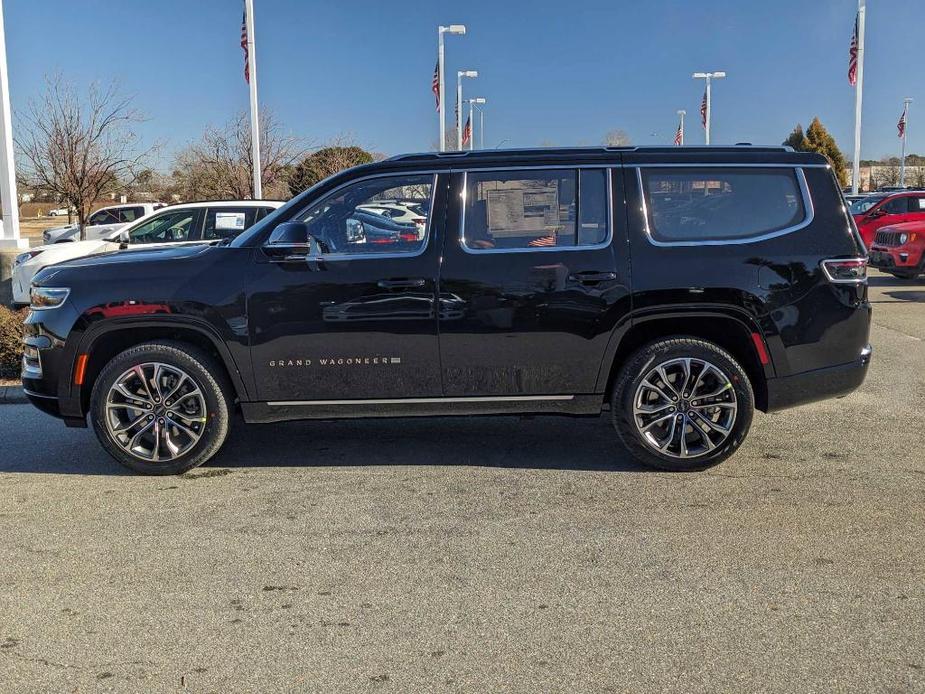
x: 629, y: 155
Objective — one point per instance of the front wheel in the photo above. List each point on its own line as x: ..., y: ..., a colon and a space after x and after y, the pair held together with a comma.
x: 161, y: 408
x: 682, y: 404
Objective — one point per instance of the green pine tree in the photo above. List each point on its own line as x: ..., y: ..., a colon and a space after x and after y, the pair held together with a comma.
x: 817, y: 139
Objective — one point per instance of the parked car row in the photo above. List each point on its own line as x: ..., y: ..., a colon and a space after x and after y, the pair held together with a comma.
x: 677, y: 289
x: 892, y: 226
x: 196, y: 222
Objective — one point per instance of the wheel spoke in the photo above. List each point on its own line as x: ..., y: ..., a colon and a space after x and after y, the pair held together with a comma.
x: 655, y: 422
x: 661, y: 372
x: 712, y: 425
x: 183, y: 379
x: 126, y: 393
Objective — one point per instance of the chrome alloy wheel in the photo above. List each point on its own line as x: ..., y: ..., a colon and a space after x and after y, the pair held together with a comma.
x: 156, y: 412
x: 685, y: 407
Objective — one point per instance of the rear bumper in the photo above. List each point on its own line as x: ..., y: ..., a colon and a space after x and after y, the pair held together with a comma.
x: 820, y: 384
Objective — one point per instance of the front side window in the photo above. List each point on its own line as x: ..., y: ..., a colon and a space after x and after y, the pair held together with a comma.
x: 176, y: 225
x: 514, y: 210
x: 863, y: 205
x: 353, y: 220
x: 896, y: 206
x: 720, y: 204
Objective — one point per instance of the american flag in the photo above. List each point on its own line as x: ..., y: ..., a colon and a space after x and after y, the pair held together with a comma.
x: 467, y: 132
x: 679, y: 135
x: 543, y: 241
x: 247, y: 62
x: 435, y: 83
x: 901, y: 125
x: 703, y: 109
x: 853, y: 55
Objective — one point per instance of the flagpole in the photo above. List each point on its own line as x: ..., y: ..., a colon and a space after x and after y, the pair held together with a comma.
x: 255, y: 118
x: 902, y: 161
x: 682, y: 113
x: 858, y: 95
x: 471, y: 125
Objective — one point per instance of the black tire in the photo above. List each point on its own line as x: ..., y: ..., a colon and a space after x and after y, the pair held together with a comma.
x: 209, y: 376
x: 635, y: 370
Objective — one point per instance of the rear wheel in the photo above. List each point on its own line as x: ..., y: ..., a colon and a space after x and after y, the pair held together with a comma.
x: 682, y: 404
x: 161, y: 408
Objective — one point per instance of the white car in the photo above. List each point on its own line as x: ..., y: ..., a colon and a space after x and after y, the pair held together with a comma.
x: 195, y: 222
x: 102, y: 222
x: 399, y: 211
x: 60, y: 212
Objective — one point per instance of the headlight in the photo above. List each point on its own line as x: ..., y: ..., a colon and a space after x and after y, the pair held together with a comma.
x: 903, y: 238
x: 47, y: 297
x: 25, y: 257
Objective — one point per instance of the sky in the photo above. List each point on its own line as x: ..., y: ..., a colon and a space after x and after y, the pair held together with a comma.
x: 554, y: 73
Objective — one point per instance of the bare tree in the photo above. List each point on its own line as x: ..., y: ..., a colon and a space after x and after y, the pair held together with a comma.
x: 78, y: 147
x: 617, y: 138
x: 221, y: 164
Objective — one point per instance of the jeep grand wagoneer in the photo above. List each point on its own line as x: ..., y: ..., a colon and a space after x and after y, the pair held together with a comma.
x: 677, y: 289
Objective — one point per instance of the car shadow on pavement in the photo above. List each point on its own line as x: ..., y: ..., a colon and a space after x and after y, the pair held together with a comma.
x: 560, y: 443
x: 890, y: 281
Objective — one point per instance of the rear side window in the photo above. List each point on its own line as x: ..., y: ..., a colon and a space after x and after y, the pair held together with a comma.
x: 228, y: 222
x: 917, y: 205
x: 720, y: 204
x: 130, y: 214
x: 896, y: 206
x: 533, y: 210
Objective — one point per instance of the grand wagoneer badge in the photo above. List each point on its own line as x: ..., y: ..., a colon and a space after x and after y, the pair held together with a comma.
x: 335, y: 361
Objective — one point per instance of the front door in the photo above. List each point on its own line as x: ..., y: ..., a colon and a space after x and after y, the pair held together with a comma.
x: 534, y: 279
x: 359, y: 322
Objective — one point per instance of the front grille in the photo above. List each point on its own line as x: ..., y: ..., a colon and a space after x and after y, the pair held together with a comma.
x: 887, y: 238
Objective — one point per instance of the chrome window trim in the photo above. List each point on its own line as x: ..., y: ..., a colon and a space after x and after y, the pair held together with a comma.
x: 425, y: 401
x: 331, y: 257
x: 540, y: 249
x: 809, y: 210
x: 725, y: 165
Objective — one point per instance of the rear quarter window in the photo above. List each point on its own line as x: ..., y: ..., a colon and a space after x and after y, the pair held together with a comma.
x: 690, y: 205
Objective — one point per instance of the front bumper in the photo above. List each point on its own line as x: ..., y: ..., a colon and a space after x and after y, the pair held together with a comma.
x: 895, y: 258
x: 819, y: 384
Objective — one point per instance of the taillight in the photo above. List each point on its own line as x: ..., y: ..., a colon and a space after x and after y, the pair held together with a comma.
x: 848, y: 270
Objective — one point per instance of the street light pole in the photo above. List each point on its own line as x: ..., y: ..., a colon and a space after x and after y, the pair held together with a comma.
x: 858, y: 97
x: 902, y: 161
x: 477, y: 101
x: 459, y: 101
x: 709, y: 77
x: 460, y: 30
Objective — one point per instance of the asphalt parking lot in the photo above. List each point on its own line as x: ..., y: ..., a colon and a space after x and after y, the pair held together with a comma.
x: 480, y: 555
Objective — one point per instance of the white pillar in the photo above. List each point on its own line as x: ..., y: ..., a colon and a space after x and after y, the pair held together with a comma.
x: 459, y: 76
x: 858, y: 95
x: 709, y: 107
x: 9, y: 228
x: 255, y: 119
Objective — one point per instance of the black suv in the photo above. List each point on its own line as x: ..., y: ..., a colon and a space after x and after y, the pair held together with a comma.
x: 680, y: 288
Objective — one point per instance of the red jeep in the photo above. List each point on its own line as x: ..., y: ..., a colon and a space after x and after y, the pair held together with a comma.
x: 900, y: 249
x: 887, y: 209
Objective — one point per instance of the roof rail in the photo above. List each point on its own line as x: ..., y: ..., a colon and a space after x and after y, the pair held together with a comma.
x: 487, y: 153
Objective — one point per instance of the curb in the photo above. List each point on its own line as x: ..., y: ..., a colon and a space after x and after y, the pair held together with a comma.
x: 12, y: 395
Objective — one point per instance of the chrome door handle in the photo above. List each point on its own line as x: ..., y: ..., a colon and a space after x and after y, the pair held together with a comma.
x: 592, y: 277
x: 402, y: 283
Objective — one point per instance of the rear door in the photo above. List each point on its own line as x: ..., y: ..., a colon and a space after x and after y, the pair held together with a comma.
x: 532, y: 282
x: 227, y: 221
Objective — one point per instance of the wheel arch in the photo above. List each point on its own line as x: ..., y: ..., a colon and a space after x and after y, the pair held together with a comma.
x: 734, y: 333
x: 105, y: 340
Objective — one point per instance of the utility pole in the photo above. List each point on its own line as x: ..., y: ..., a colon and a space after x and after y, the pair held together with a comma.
x: 858, y: 95
x: 905, y: 129
x: 9, y: 228
x: 459, y: 101
x: 252, y: 83
x: 459, y: 30
x: 707, y: 105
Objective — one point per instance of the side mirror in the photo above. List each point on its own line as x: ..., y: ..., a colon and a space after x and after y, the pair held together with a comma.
x: 292, y: 241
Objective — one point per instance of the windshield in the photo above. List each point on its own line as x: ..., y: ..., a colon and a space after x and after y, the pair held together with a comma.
x: 861, y: 206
